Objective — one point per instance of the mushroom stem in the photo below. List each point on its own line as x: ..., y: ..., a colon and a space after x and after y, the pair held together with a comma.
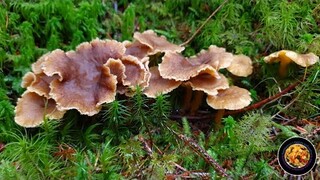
x: 196, y: 102
x: 285, y: 61
x: 187, y: 99
x: 217, y: 119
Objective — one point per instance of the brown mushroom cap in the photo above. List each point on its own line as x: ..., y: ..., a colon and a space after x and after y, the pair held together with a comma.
x: 84, y: 83
x: 38, y: 83
x: 208, y: 84
x: 102, y: 50
x: 215, y: 56
x: 158, y: 85
x: 137, y: 49
x: 156, y: 43
x: 37, y: 66
x: 117, y: 68
x: 303, y: 60
x: 135, y: 71
x: 232, y: 98
x: 32, y: 108
x: 241, y: 66
x: 175, y: 66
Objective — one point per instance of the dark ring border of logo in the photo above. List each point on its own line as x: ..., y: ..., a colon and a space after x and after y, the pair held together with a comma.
x: 292, y: 170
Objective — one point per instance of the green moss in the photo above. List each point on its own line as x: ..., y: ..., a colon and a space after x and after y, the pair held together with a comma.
x: 109, y: 145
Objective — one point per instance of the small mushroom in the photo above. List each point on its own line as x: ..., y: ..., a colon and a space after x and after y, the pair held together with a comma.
x: 241, y: 65
x: 205, y: 83
x: 158, y: 85
x: 232, y: 98
x: 285, y: 57
x: 32, y: 108
x: 196, y: 70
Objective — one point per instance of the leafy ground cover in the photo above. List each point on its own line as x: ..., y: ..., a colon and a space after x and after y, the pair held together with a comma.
x: 144, y: 138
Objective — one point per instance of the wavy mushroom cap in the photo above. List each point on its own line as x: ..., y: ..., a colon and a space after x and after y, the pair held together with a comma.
x: 137, y: 49
x: 303, y: 60
x: 84, y: 81
x: 232, y: 98
x: 117, y: 68
x: 158, y: 85
x: 135, y: 71
x: 215, y: 56
x: 177, y: 67
x: 32, y: 108
x: 208, y: 84
x: 38, y: 83
x: 241, y: 66
x: 156, y: 43
x: 37, y: 66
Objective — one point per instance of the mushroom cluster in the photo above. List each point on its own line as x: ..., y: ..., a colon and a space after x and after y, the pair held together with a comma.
x: 200, y: 73
x: 96, y: 71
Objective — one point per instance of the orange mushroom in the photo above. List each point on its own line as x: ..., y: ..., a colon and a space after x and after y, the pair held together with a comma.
x: 285, y: 57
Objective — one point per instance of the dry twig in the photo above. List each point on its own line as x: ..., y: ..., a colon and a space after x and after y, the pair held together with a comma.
x: 204, y: 23
x: 263, y: 102
x: 200, y: 151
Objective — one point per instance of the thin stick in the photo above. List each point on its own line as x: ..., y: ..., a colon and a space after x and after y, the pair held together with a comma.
x: 149, y: 151
x: 263, y: 102
x: 204, y: 23
x: 203, y: 153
